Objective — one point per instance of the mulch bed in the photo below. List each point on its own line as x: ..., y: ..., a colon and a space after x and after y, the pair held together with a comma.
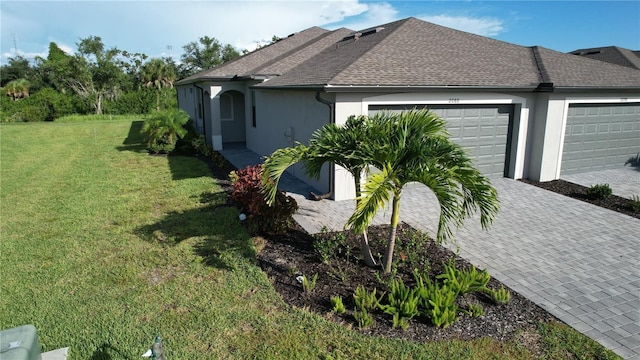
x: 293, y: 254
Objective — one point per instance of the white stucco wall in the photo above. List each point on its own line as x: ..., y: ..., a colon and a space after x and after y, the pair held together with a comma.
x: 188, y: 101
x: 284, y: 117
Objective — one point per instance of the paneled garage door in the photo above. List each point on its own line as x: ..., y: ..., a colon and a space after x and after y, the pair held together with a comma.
x: 600, y: 136
x: 484, y: 131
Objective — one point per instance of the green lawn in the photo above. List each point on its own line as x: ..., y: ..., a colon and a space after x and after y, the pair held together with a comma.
x: 103, y: 247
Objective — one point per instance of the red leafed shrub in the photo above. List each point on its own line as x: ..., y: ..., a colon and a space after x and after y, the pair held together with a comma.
x: 248, y: 197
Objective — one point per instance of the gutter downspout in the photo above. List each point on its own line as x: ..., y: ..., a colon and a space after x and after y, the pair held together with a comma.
x: 332, y: 120
x: 204, y: 121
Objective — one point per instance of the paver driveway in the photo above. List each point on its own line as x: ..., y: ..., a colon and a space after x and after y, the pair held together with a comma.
x: 624, y: 182
x: 576, y: 260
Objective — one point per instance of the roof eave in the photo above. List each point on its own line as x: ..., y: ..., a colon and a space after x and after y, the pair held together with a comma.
x: 201, y: 79
x: 226, y: 78
x: 421, y: 88
x: 609, y: 89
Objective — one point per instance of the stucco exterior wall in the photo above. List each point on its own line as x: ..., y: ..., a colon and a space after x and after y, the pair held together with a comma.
x: 188, y: 101
x: 286, y: 117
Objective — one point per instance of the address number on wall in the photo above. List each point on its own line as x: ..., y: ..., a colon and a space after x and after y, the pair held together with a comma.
x: 454, y: 100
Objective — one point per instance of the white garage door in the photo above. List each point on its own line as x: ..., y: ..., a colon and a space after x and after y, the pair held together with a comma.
x: 600, y: 136
x: 484, y: 131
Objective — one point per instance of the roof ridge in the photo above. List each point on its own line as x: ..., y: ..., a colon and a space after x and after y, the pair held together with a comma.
x: 296, y: 49
x: 542, y: 70
x: 631, y: 61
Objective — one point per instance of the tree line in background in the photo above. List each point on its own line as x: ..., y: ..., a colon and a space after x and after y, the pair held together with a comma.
x: 100, y: 80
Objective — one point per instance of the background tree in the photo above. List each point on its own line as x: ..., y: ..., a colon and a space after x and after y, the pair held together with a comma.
x: 17, y: 68
x: 157, y: 74
x: 414, y: 146
x: 53, y: 70
x: 204, y: 54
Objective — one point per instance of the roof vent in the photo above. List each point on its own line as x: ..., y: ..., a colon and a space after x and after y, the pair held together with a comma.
x: 360, y: 34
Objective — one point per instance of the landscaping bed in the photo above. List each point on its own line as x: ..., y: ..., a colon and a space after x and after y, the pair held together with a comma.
x: 285, y: 257
x: 613, y: 202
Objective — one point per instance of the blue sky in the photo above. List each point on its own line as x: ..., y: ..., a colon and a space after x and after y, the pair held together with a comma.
x: 162, y: 28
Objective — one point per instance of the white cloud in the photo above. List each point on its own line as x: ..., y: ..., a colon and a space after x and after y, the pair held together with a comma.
x: 376, y: 14
x: 479, y: 26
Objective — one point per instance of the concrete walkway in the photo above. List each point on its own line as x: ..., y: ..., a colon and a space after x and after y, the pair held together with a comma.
x: 625, y: 182
x: 576, y: 260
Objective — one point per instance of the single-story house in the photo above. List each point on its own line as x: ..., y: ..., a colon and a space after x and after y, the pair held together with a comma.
x: 522, y: 112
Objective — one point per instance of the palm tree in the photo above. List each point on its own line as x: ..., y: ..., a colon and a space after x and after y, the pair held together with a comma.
x: 164, y: 129
x: 345, y: 146
x: 18, y: 89
x: 414, y: 146
x: 158, y: 74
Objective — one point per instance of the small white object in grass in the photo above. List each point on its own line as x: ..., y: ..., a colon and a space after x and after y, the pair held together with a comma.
x: 242, y: 217
x: 300, y: 278
x: 147, y: 354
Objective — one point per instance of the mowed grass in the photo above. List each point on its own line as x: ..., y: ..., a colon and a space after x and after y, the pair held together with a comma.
x: 104, y: 247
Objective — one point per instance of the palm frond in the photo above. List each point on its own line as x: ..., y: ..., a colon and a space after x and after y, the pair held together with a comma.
x: 376, y: 192
x: 275, y: 165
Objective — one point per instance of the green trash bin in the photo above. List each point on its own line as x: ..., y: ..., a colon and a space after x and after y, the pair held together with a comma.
x: 20, y: 343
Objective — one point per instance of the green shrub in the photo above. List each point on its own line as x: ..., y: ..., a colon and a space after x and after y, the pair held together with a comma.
x: 464, y: 281
x: 308, y: 284
x: 635, y: 203
x: 437, y: 301
x: 164, y: 129
x: 599, y: 191
x: 475, y: 310
x: 337, y: 304
x: 500, y: 296
x: 363, y: 318
x: 248, y: 196
x: 442, y: 309
x: 329, y: 247
x: 402, y: 303
x: 365, y: 303
x: 366, y: 300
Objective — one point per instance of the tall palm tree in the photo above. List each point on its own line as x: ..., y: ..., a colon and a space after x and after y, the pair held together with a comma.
x: 414, y: 146
x: 345, y: 146
x: 158, y: 74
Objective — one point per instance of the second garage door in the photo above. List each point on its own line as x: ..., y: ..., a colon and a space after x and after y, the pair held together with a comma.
x: 600, y: 137
x: 484, y: 131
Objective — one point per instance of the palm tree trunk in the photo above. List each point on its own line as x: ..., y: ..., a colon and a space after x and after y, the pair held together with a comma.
x: 364, y: 240
x: 158, y: 100
x: 395, y: 217
x: 366, y: 250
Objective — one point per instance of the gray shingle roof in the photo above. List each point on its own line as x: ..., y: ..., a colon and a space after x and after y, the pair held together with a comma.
x: 566, y: 70
x: 276, y: 58
x: 612, y: 54
x: 412, y: 52
x: 415, y: 53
